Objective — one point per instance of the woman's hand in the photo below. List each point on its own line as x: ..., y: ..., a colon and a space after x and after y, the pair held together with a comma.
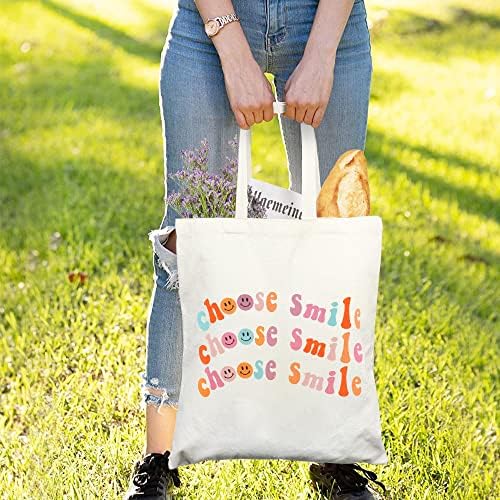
x: 307, y: 91
x: 249, y: 91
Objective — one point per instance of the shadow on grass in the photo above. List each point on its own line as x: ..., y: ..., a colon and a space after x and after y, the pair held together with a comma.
x: 450, y: 158
x: 465, y: 197
x: 94, y: 83
x: 119, y: 38
x: 465, y: 34
x: 86, y: 202
x: 468, y: 16
x: 388, y: 85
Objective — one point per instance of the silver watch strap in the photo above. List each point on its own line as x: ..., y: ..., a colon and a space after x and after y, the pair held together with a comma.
x: 228, y: 18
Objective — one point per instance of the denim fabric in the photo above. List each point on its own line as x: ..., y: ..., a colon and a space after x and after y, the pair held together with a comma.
x: 194, y: 106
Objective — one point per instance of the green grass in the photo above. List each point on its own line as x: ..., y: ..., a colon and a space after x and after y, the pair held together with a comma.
x: 81, y: 185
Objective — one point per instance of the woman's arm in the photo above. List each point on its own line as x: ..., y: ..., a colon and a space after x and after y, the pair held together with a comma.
x: 248, y: 90
x: 308, y: 89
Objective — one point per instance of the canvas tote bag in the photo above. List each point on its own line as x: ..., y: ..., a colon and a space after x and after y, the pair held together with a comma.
x: 278, y: 321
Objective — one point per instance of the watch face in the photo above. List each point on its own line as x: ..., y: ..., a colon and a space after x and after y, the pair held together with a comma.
x: 212, y: 27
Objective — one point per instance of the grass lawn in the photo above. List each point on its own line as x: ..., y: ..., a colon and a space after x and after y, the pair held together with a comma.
x: 81, y: 185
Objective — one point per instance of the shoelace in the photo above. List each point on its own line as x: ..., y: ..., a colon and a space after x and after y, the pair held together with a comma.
x: 149, y: 472
x: 348, y: 479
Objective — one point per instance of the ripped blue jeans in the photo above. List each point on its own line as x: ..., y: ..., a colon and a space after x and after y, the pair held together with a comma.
x: 194, y: 106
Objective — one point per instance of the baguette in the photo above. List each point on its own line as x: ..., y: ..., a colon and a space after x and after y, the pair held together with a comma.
x: 345, y: 192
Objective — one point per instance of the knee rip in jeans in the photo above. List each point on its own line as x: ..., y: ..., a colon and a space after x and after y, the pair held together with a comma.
x: 166, y: 259
x: 153, y: 394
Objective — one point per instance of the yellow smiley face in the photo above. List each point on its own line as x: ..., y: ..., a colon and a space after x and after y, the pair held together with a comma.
x: 245, y: 370
x: 228, y: 305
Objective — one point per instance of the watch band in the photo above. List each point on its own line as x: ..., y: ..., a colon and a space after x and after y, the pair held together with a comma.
x: 228, y: 18
x: 215, y: 24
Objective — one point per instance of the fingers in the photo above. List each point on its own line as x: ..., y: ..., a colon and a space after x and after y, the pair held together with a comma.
x: 318, y: 117
x: 251, y: 96
x: 306, y: 102
x: 268, y: 113
x: 290, y: 111
x: 240, y: 119
x: 310, y: 113
x: 247, y: 114
x: 300, y: 113
x: 249, y: 117
x: 258, y: 115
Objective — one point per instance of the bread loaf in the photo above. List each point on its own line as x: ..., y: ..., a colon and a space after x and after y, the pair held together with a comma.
x: 345, y: 192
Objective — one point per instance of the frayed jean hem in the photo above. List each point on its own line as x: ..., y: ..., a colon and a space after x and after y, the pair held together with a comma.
x: 166, y: 258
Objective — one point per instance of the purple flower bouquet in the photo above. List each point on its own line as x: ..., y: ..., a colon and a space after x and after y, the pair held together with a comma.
x: 205, y: 194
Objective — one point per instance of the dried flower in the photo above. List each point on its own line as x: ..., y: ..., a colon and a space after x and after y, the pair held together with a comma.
x: 204, y: 194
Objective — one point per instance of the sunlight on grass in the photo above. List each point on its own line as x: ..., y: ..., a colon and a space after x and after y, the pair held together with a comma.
x: 82, y: 184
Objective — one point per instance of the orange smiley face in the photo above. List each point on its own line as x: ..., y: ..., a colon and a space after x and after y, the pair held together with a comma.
x: 228, y: 305
x: 245, y: 370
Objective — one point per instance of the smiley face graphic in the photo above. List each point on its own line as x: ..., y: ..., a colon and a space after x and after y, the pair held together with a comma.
x: 245, y: 302
x: 228, y: 373
x: 245, y: 370
x: 229, y: 340
x: 246, y: 336
x: 228, y: 305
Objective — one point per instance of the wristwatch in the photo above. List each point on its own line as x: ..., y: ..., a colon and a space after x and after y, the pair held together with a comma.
x: 214, y: 24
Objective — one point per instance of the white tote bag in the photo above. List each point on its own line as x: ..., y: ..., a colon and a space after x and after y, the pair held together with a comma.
x: 278, y: 320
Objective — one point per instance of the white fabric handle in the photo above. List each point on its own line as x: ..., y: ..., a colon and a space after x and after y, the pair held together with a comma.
x: 310, y: 169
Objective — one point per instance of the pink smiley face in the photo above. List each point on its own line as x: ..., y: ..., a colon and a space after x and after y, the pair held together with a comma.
x: 229, y: 340
x: 245, y: 302
x: 228, y: 373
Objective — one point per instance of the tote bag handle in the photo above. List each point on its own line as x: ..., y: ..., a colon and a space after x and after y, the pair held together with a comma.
x: 310, y: 169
